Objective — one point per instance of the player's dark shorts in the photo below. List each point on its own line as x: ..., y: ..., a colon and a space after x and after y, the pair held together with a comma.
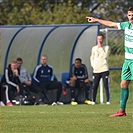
x: 127, y: 70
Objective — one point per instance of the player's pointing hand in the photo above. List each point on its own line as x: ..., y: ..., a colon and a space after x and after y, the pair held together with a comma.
x: 91, y: 19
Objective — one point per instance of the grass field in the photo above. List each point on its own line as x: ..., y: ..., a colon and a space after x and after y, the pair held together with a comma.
x: 65, y: 119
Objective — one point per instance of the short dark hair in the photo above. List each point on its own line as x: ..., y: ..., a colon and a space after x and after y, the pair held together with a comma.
x: 130, y: 9
x: 20, y: 59
x: 78, y: 59
x: 101, y: 34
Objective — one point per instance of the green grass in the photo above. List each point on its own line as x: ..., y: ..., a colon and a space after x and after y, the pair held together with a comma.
x: 65, y: 119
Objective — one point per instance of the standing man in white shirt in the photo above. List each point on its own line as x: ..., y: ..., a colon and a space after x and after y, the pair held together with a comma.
x: 99, y: 63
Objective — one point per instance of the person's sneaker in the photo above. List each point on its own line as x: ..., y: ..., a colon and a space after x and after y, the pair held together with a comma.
x: 88, y: 102
x: 2, y: 104
x: 107, y: 103
x: 74, y: 103
x: 54, y: 103
x: 9, y: 104
x: 119, y: 113
x: 93, y: 103
x: 59, y: 103
x: 17, y: 102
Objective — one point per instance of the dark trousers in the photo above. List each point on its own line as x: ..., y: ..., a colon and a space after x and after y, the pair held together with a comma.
x: 26, y: 92
x: 38, y: 92
x: 96, y: 80
x: 80, y: 86
x: 10, y: 92
x: 52, y: 85
x: 42, y: 88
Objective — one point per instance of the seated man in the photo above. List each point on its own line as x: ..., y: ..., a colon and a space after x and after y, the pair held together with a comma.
x: 25, y: 79
x: 10, y: 83
x: 43, y: 80
x: 78, y: 79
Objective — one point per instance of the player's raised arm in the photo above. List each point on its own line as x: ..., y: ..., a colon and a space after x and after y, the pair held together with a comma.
x: 104, y: 22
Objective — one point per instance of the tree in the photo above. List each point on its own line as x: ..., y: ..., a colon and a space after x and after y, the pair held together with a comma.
x: 21, y: 12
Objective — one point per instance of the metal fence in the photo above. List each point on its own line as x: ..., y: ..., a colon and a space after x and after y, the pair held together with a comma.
x: 115, y: 39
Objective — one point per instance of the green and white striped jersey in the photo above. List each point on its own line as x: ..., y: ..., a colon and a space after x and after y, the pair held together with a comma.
x: 128, y: 36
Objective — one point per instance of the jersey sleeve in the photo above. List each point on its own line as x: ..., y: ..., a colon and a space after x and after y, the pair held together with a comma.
x: 122, y: 25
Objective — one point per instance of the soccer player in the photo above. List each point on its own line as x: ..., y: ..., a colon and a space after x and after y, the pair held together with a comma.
x: 127, y: 69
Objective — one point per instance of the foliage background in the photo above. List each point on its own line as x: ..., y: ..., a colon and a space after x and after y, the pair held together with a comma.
x: 21, y: 12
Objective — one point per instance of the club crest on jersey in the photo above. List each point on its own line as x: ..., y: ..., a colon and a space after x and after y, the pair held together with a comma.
x: 131, y: 32
x: 41, y: 71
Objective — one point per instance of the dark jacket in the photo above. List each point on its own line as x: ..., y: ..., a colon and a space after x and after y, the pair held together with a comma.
x: 81, y: 73
x: 10, y: 78
x: 43, y: 73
